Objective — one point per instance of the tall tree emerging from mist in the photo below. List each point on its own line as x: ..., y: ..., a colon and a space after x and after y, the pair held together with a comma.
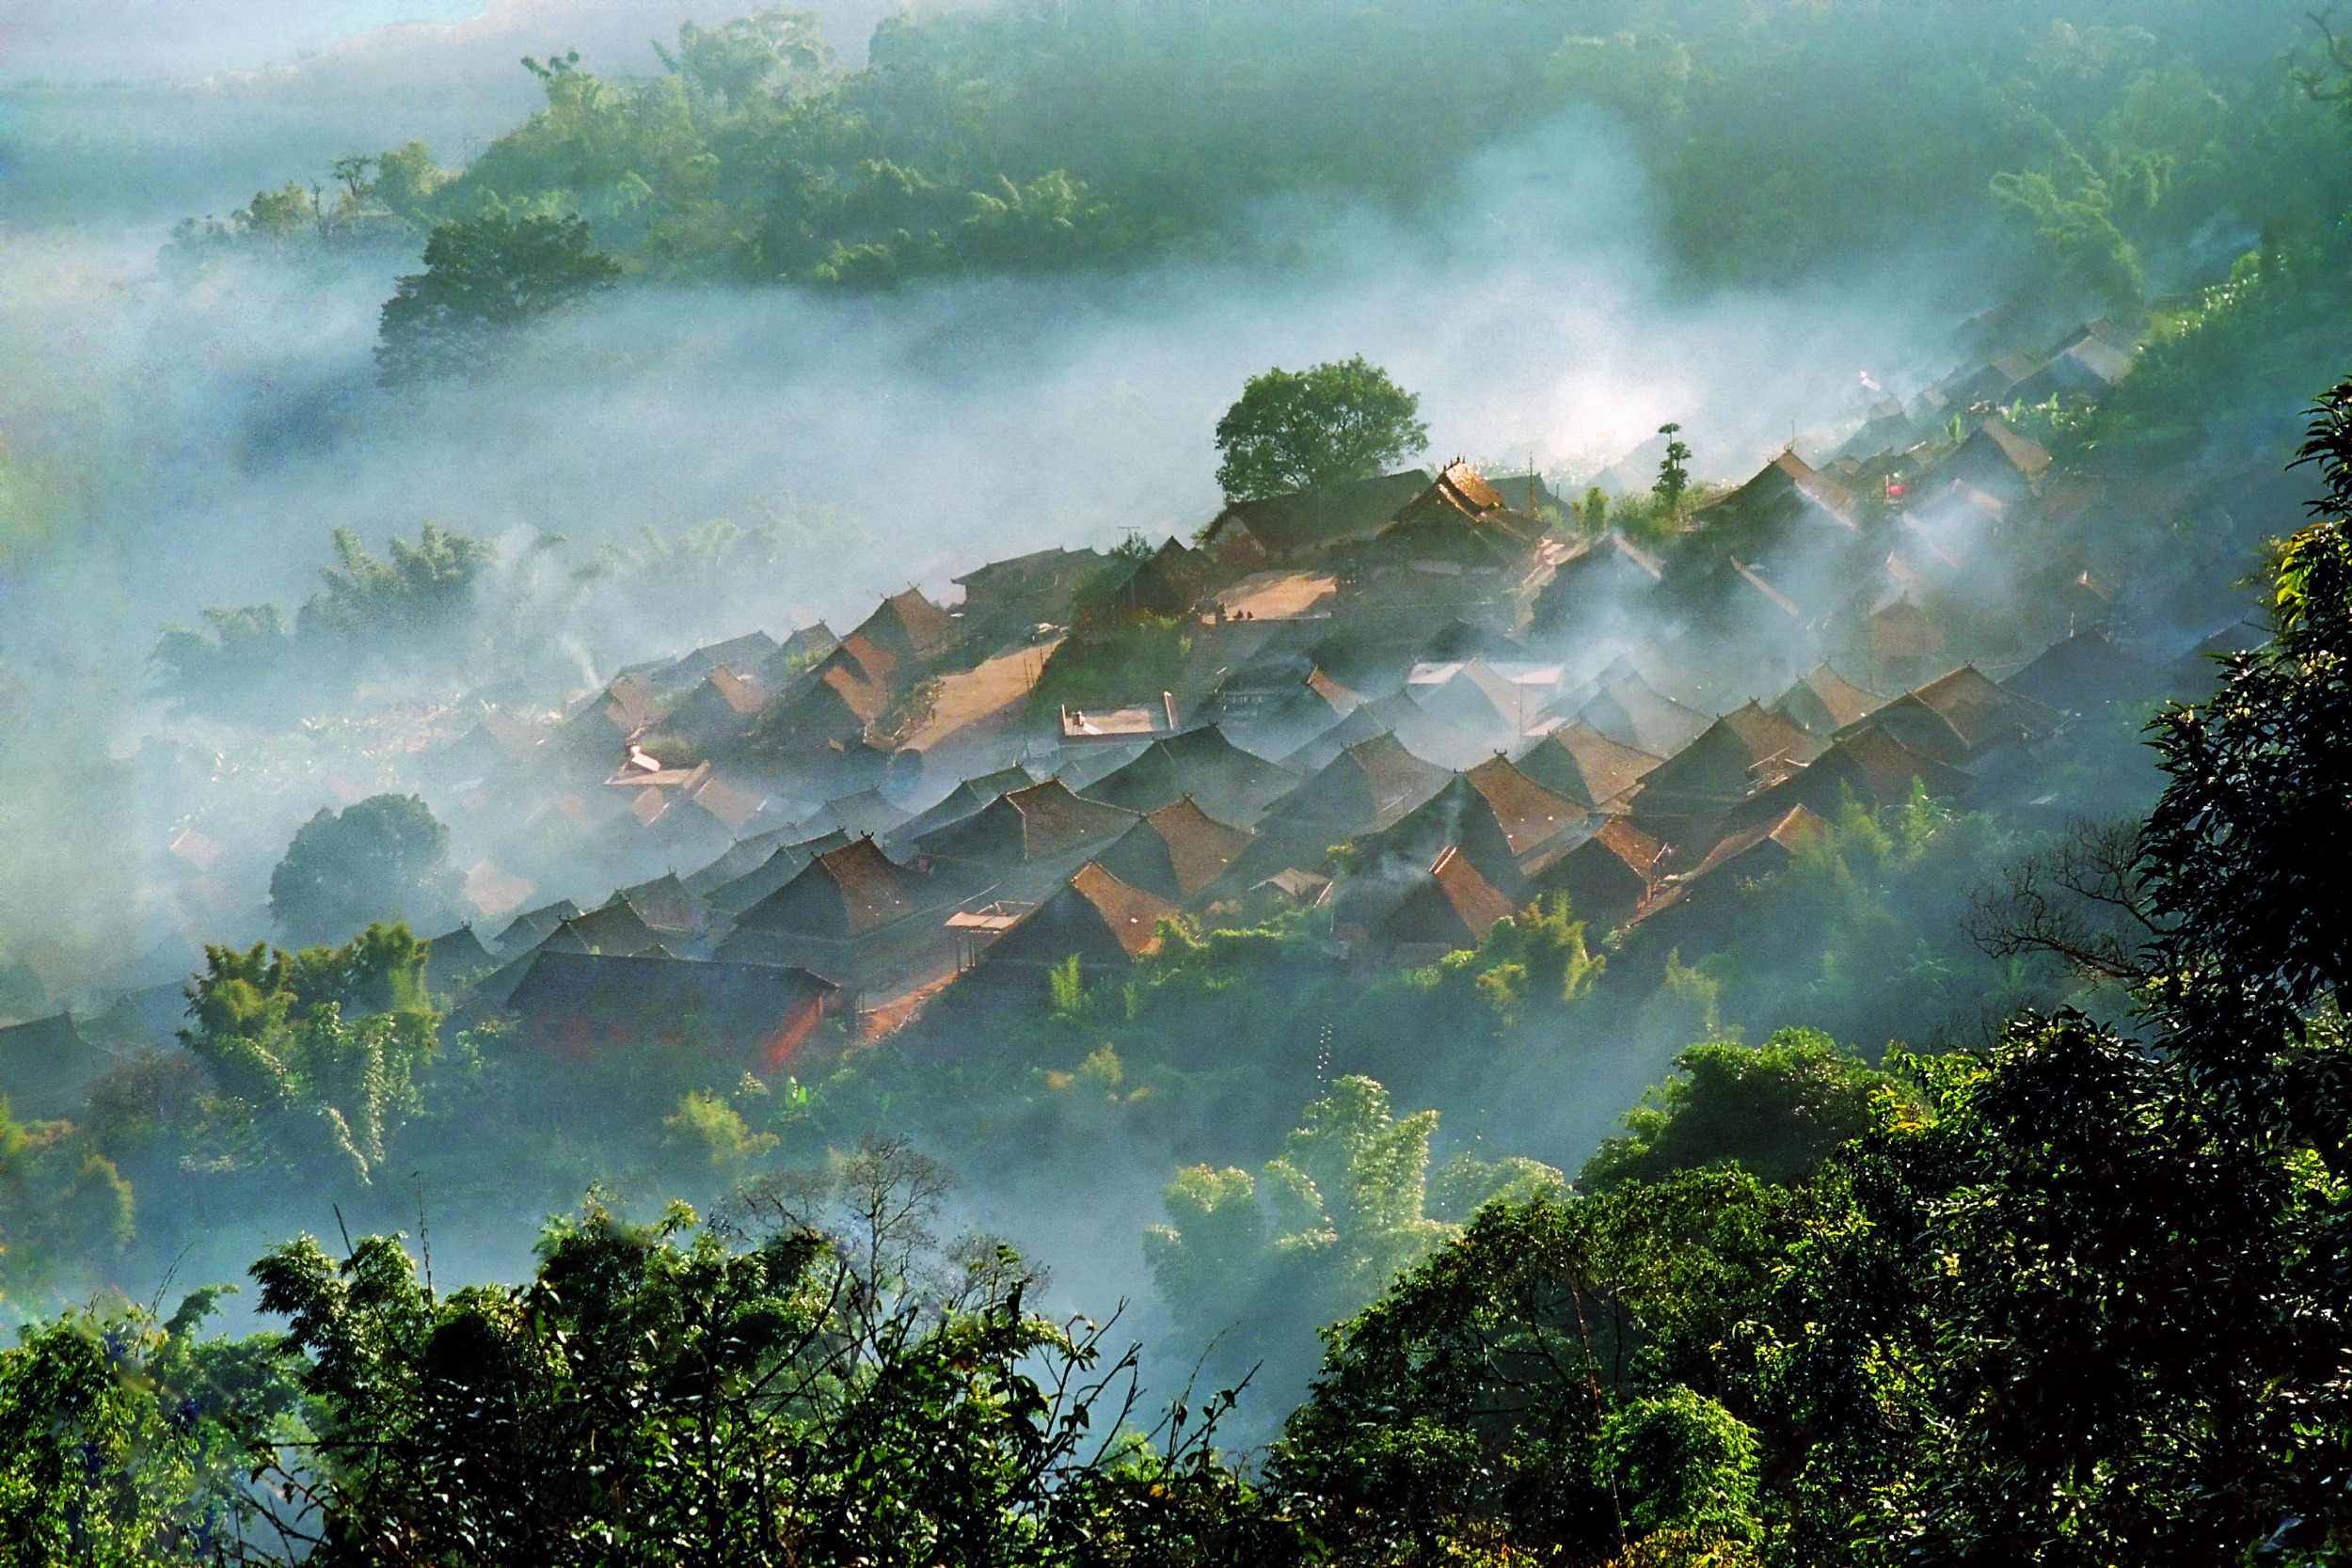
x: 1302, y: 430
x: 385, y: 858
x: 482, y: 281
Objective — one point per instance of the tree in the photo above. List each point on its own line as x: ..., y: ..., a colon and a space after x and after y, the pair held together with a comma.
x: 1672, y: 477
x: 484, y: 280
x: 678, y: 1394
x: 1321, y: 1229
x: 318, y: 1052
x: 1474, y: 1397
x: 383, y: 858
x: 1775, y: 1110
x: 1304, y: 430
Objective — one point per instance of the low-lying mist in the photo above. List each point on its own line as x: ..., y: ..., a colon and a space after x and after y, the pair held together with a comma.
x: 202, y: 428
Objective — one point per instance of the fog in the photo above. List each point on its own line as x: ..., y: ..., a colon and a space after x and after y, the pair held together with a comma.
x: 185, y: 431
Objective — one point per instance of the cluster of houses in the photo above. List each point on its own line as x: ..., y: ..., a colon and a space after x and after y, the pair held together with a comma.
x: 1419, y: 702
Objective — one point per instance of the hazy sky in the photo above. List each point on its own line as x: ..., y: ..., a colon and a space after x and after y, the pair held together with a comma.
x: 98, y: 40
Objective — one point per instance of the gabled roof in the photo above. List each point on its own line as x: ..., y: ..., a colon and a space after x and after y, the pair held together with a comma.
x: 1728, y: 760
x: 2085, y: 671
x: 1824, y: 702
x: 1606, y: 877
x: 910, y: 627
x: 1199, y: 764
x: 1528, y: 815
x: 616, y: 927
x: 1174, y: 851
x: 1788, y: 831
x: 840, y: 896
x: 642, y: 991
x: 1453, y: 905
x: 1458, y: 517
x: 1584, y: 766
x: 535, y: 926
x: 1093, y: 917
x: 1306, y: 519
x: 1971, y: 713
x: 1457, y: 817
x: 1786, y: 478
x: 667, y: 904
x: 864, y: 814
x: 799, y: 649
x: 1025, y: 825
x: 1371, y: 782
x: 1630, y: 711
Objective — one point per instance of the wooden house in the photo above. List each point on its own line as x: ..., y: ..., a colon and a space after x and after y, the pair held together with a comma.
x: 1822, y: 702
x: 574, y: 1006
x: 1251, y: 534
x: 1604, y: 879
x: 1093, y: 917
x: 1041, y: 822
x: 1174, y: 852
x: 1450, y: 908
x: 1584, y: 766
x: 1200, y: 765
x: 1959, y: 718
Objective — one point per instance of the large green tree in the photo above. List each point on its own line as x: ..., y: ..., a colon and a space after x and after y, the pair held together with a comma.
x: 484, y: 280
x: 383, y: 858
x: 1302, y: 430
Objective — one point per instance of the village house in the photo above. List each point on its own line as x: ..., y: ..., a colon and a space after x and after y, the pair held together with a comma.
x: 1251, y: 534
x: 1175, y: 852
x: 576, y: 1006
x: 1603, y: 878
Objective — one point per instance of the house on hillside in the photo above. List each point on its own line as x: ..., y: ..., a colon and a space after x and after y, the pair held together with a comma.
x: 1961, y: 720
x: 1868, y: 767
x: 838, y: 899
x: 972, y: 720
x: 1786, y: 505
x: 1094, y: 917
x: 1823, y: 701
x: 616, y: 928
x: 1457, y: 818
x: 1748, y: 749
x: 1584, y: 766
x: 1593, y: 581
x: 2086, y: 674
x: 1042, y: 822
x: 1631, y: 712
x: 1997, y: 461
x: 1163, y: 585
x: 1449, y: 907
x: 1028, y: 590
x: 799, y: 650
x: 718, y: 711
x: 1305, y: 523
x: 1367, y: 786
x: 576, y: 1006
x: 1531, y: 816
x: 1174, y: 852
x: 1604, y: 879
x: 1457, y: 523
x: 1200, y: 765
x: 967, y: 799
x: 1700, y: 907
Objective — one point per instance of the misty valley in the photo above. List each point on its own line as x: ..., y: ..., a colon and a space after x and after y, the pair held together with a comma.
x: 1176, y: 782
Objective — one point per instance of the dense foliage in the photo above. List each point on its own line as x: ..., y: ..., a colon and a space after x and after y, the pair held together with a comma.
x: 1304, y: 430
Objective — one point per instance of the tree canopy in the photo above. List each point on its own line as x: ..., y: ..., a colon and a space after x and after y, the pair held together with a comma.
x: 483, y: 279
x: 343, y: 870
x: 1302, y: 430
